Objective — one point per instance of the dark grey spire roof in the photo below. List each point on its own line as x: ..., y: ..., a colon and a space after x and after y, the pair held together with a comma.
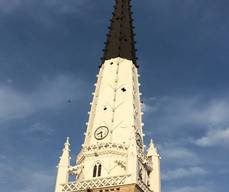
x: 120, y: 38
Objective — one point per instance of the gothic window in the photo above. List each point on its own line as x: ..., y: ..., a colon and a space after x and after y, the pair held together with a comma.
x: 94, y: 171
x: 97, y: 170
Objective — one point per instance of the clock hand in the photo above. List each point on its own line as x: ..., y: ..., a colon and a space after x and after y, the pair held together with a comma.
x: 101, y: 134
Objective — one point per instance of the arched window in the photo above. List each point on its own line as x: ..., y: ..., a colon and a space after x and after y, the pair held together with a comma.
x: 94, y: 171
x: 97, y: 170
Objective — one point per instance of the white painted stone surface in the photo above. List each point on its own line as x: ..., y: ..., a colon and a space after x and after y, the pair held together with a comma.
x: 114, y: 136
x: 63, y: 167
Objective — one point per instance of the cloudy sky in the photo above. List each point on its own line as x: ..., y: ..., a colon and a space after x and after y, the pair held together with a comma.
x: 49, y: 53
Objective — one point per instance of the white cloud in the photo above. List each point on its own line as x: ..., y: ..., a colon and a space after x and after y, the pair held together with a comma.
x: 192, y: 110
x: 50, y: 94
x: 69, y: 6
x: 179, y: 122
x: 9, y: 6
x: 41, y: 128
x: 26, y: 178
x: 180, y: 111
x: 152, y: 104
x: 176, y: 114
x: 39, y: 181
x: 182, y: 173
x: 146, y: 108
x: 174, y: 153
x: 46, y: 13
x: 214, y: 137
x: 13, y: 104
x: 191, y: 189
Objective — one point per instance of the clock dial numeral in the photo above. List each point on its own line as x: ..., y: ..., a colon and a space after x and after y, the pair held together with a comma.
x: 101, y: 132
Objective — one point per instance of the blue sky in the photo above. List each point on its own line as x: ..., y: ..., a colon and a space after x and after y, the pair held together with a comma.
x: 50, y: 52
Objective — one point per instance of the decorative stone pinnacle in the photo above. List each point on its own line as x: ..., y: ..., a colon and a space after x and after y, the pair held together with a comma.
x: 67, y: 141
x: 152, y: 150
x: 65, y: 157
x: 67, y: 144
x: 151, y: 142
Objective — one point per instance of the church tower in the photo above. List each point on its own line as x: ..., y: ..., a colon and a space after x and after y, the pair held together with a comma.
x: 113, y: 157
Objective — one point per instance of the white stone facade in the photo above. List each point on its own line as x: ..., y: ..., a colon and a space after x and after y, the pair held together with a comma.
x: 113, y: 149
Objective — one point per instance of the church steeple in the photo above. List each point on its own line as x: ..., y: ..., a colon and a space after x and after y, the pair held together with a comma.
x: 112, y: 157
x: 120, y: 38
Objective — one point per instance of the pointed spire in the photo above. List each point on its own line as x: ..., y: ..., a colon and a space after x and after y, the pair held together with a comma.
x: 154, y: 160
x: 152, y: 150
x: 67, y: 144
x: 65, y: 157
x: 120, y: 38
x: 63, y: 167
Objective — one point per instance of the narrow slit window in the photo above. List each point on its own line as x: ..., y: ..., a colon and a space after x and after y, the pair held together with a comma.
x: 99, y: 170
x: 94, y: 171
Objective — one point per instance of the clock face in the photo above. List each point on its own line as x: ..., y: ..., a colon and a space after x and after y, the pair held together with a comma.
x: 101, y: 132
x: 139, y: 140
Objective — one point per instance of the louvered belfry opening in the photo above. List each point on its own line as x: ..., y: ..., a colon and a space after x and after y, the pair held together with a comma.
x: 120, y: 38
